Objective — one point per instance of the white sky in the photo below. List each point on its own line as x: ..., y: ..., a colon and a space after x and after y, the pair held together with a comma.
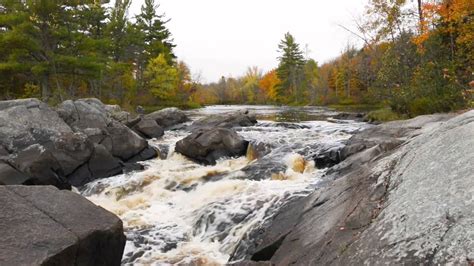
x: 224, y: 37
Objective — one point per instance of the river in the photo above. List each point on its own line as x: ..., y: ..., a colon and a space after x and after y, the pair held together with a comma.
x: 180, y: 212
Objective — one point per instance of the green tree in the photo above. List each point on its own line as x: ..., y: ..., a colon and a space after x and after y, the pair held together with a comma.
x: 290, y: 70
x: 311, y: 80
x: 162, y: 79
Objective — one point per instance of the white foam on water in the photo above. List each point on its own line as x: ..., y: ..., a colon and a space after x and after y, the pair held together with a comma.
x: 180, y: 212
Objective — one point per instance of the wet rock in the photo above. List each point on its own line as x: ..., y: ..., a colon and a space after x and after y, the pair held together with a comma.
x: 208, y: 145
x: 148, y: 128
x: 257, y: 150
x: 386, y: 204
x: 264, y: 168
x: 146, y: 154
x: 349, y: 116
x: 328, y: 157
x: 291, y: 125
x: 45, y: 226
x: 225, y: 121
x: 168, y: 117
x: 132, y: 167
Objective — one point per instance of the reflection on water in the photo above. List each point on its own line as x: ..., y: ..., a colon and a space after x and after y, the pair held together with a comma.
x: 270, y: 112
x: 180, y: 212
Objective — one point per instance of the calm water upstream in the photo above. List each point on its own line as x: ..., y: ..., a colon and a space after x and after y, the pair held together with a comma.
x: 180, y: 212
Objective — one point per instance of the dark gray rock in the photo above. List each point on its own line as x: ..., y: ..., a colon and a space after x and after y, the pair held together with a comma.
x: 208, y: 145
x: 125, y: 142
x: 40, y: 165
x: 257, y: 150
x: 405, y: 198
x: 103, y: 164
x: 148, y: 128
x: 349, y: 116
x: 48, y: 146
x: 45, y: 226
x: 146, y: 154
x: 11, y: 176
x: 225, y: 121
x: 91, y: 116
x: 168, y: 117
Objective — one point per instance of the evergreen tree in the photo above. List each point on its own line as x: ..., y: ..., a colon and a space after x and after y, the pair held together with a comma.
x: 156, y: 38
x: 290, y: 70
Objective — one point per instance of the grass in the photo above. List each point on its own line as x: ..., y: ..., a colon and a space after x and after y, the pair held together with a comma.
x: 384, y: 115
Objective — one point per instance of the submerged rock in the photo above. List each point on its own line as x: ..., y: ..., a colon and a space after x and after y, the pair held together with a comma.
x: 385, y: 204
x: 45, y: 226
x: 208, y: 145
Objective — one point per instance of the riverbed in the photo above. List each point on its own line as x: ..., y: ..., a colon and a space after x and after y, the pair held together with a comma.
x: 179, y: 212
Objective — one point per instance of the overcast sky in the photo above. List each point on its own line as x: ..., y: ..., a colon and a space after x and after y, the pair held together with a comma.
x: 224, y: 37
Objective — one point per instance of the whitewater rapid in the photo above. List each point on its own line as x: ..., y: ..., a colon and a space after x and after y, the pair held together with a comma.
x: 180, y: 212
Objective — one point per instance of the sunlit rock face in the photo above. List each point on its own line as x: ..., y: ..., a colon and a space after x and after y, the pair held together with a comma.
x: 180, y: 211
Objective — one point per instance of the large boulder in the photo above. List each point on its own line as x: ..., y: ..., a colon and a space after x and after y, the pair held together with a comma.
x: 208, y: 145
x: 39, y: 143
x: 240, y: 119
x: 45, y: 226
x: 80, y: 141
x: 405, y: 198
x: 88, y: 114
x: 148, y: 128
x: 168, y: 117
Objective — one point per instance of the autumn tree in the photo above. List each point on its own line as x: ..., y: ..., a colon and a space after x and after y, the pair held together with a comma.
x: 268, y: 84
x: 162, y: 79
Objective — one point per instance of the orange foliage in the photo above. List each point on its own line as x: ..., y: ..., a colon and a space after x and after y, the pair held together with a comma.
x: 268, y: 84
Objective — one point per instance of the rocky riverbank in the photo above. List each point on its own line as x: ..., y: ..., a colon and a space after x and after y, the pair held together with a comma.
x: 75, y: 142
x: 403, y: 195
x: 229, y: 188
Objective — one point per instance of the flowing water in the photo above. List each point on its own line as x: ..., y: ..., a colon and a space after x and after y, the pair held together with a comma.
x: 180, y: 212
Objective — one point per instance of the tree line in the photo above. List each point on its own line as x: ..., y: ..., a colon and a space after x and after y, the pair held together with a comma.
x: 417, y: 58
x: 57, y: 50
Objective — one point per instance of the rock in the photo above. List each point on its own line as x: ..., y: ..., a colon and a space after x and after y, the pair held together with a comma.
x: 148, y: 128
x: 125, y: 142
x: 257, y: 150
x: 168, y: 117
x: 11, y: 176
x: 101, y: 164
x: 349, y: 116
x: 118, y: 114
x: 133, y: 167
x: 47, y: 146
x: 385, y: 204
x: 146, y: 154
x: 225, y: 121
x: 87, y: 114
x: 208, y: 145
x: 40, y: 165
x: 45, y: 226
x: 327, y: 158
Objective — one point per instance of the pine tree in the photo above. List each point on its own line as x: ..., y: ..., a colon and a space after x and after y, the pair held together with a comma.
x: 290, y: 70
x: 156, y: 38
